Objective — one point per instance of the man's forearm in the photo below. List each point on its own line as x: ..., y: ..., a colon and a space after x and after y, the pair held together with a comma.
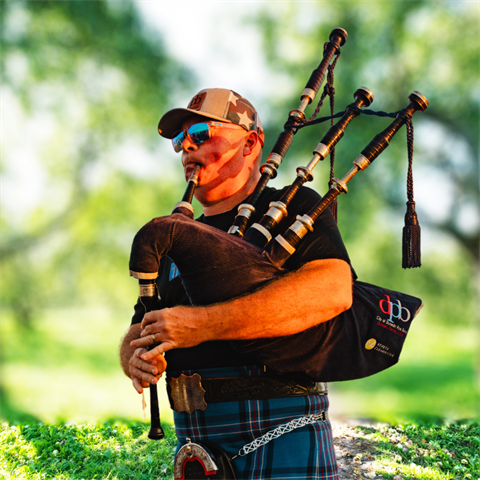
x: 126, y: 351
x: 317, y: 292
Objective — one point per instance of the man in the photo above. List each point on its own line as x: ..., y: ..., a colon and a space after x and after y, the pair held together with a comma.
x: 221, y: 132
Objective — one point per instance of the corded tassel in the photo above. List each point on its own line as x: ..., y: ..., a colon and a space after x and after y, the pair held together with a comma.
x: 411, y: 230
x: 334, y: 204
x: 411, y: 239
x: 334, y: 208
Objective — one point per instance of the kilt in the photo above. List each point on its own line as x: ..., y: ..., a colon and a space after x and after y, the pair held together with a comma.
x: 304, y: 453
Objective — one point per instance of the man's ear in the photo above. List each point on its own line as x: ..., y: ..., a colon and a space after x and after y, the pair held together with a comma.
x: 251, y: 141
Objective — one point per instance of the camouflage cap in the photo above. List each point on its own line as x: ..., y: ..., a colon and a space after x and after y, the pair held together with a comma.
x: 216, y: 104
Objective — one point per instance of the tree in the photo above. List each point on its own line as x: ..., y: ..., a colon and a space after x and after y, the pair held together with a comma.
x: 83, y: 82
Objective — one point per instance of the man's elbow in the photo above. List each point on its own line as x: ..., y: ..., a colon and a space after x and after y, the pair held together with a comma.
x: 345, y: 298
x: 344, y: 289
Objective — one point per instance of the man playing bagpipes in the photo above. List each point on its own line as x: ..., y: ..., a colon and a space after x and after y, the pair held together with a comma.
x: 224, y: 396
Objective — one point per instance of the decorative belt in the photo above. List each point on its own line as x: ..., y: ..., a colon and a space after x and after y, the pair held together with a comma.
x: 190, y: 393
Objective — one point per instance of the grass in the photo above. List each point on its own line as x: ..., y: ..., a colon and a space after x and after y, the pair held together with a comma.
x: 112, y: 450
x: 426, y: 452
x: 121, y: 450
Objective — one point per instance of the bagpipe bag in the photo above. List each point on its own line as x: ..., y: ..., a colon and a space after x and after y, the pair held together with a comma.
x: 364, y: 340
x: 215, y: 266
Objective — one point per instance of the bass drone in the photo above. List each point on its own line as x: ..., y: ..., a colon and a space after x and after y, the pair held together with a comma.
x: 362, y: 341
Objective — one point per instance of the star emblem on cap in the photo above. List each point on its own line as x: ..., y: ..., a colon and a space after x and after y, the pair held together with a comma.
x: 245, y: 120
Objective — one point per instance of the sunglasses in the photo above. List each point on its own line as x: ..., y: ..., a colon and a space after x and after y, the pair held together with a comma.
x: 198, y: 133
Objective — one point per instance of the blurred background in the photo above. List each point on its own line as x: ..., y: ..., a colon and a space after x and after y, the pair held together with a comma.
x: 83, y: 168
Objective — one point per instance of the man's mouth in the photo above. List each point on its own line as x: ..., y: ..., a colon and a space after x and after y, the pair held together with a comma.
x: 188, y: 169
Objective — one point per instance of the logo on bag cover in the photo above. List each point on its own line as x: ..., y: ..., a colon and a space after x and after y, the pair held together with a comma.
x: 372, y: 344
x: 395, y: 310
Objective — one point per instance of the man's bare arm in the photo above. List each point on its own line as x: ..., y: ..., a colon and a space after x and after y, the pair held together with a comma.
x: 315, y: 293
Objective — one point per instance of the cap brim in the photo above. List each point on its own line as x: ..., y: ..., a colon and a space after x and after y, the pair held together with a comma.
x: 171, y: 123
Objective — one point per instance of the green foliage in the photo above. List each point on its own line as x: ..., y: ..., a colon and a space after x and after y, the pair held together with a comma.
x: 429, y: 451
x: 84, y: 86
x: 114, y: 450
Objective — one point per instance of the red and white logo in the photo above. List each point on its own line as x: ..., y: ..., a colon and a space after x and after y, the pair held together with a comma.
x: 395, y: 310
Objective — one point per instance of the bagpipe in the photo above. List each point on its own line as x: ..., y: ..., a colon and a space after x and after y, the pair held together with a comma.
x: 362, y: 341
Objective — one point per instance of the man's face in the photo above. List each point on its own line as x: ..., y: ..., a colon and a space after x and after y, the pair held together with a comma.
x: 225, y: 170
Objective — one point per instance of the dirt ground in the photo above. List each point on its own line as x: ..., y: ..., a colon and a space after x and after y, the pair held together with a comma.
x: 355, y: 456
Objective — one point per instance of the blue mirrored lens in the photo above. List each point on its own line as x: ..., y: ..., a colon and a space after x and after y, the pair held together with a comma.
x: 177, y: 142
x: 198, y: 133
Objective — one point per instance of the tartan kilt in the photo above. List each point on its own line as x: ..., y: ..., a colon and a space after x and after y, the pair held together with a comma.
x: 306, y: 453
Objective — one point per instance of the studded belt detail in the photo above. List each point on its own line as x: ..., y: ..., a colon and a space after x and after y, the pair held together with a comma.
x: 190, y: 393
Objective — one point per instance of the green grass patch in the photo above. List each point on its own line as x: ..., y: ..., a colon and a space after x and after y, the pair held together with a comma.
x: 121, y: 450
x: 112, y: 450
x: 66, y: 368
x: 426, y: 452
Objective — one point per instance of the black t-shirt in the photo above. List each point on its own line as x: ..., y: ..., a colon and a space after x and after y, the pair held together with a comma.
x: 324, y: 242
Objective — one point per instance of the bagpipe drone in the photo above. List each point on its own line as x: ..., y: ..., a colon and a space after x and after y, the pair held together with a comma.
x: 359, y: 342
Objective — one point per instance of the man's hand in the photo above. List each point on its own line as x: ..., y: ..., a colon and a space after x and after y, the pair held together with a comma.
x: 178, y: 327
x: 142, y: 372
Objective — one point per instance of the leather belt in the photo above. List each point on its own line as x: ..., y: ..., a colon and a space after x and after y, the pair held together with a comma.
x: 190, y: 393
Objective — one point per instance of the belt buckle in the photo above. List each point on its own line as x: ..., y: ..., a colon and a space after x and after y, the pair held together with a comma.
x: 187, y: 393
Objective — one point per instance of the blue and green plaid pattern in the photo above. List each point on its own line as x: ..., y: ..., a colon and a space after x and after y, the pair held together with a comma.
x: 305, y: 453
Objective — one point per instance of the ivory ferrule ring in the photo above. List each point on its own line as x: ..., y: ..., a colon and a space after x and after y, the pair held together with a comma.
x: 341, y: 185
x: 322, y: 150
x: 246, y: 210
x: 183, y: 204
x: 263, y: 231
x: 302, y: 226
x: 277, y: 211
x: 361, y: 162
x: 275, y: 159
x: 143, y: 275
x: 284, y: 244
x: 309, y: 94
x: 306, y: 221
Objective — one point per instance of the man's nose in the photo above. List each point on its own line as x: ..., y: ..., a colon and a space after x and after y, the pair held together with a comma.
x: 188, y: 145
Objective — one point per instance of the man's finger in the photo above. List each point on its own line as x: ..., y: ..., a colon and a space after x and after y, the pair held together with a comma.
x: 143, y: 366
x: 137, y: 385
x: 149, y: 317
x: 144, y: 376
x: 144, y: 341
x: 157, y: 351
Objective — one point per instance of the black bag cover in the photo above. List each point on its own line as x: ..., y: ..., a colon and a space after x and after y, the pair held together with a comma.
x: 215, y: 266
x: 361, y: 341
